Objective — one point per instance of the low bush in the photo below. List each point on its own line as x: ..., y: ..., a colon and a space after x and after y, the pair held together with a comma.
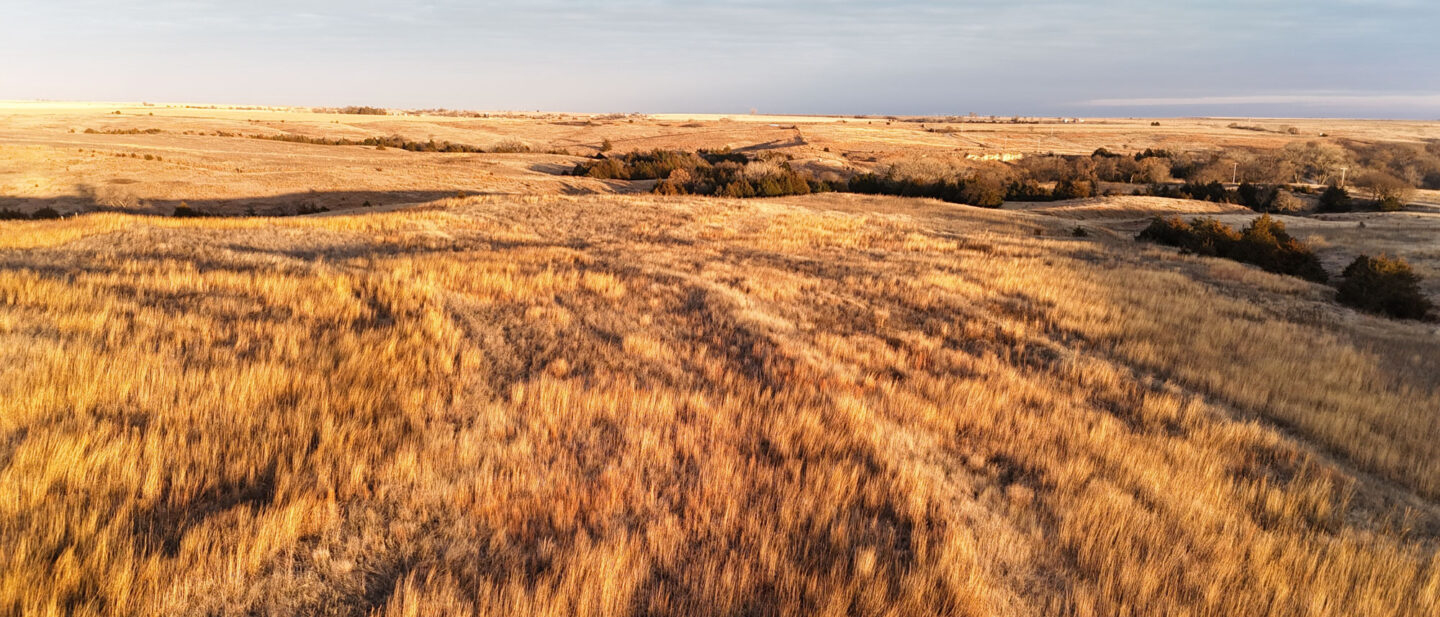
x: 1255, y: 197
x: 1431, y: 181
x: 1203, y: 236
x: 510, y: 146
x: 1072, y: 188
x: 1209, y: 191
x: 1334, y: 199
x: 1265, y: 243
x: 1027, y: 190
x: 1169, y: 230
x: 1384, y: 285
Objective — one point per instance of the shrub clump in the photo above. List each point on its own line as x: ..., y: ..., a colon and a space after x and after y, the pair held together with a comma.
x: 1264, y: 242
x: 1286, y: 202
x: 981, y: 190
x: 511, y: 146
x: 43, y: 214
x: 1256, y: 197
x: 1384, y: 285
x: 706, y: 172
x: 392, y: 141
x: 1073, y: 188
x: 1334, y: 199
x: 1209, y: 191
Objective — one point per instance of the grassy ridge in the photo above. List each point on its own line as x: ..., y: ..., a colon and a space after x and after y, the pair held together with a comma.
x: 616, y: 406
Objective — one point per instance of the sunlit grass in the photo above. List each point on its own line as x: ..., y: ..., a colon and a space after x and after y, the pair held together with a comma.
x: 617, y: 406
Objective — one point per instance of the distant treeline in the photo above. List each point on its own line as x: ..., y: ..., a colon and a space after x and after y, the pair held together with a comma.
x: 707, y: 172
x: 1268, y: 180
x: 392, y: 141
x: 396, y: 141
x: 363, y: 110
x: 732, y: 174
x: 124, y: 132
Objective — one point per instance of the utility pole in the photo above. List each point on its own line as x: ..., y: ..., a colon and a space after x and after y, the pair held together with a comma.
x: 1234, y: 172
x: 1342, y: 176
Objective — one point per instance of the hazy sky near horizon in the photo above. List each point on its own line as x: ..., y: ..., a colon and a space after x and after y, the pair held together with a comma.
x: 1372, y: 58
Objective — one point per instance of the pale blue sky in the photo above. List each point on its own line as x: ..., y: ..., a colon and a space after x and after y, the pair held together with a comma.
x: 1043, y: 57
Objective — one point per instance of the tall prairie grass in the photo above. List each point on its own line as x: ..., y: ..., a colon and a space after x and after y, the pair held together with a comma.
x: 637, y: 406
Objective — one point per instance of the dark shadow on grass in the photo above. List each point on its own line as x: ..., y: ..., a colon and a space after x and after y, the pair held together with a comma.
x: 287, y: 204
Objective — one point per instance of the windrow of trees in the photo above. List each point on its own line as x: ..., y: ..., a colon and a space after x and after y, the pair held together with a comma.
x: 363, y: 110
x: 733, y: 174
x: 708, y: 172
x: 151, y: 131
x: 396, y: 141
x: 1257, y: 197
x: 1383, y: 176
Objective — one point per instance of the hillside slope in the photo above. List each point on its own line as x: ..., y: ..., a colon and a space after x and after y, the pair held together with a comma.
x: 611, y: 405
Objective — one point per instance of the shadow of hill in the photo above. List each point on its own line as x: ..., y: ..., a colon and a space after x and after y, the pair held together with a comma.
x: 774, y: 144
x: 287, y: 204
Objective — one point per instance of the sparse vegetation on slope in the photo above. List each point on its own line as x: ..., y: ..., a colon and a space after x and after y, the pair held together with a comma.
x: 1264, y: 242
x: 622, y: 406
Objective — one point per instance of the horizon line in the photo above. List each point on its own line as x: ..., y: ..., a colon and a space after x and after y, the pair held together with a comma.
x: 1119, y: 102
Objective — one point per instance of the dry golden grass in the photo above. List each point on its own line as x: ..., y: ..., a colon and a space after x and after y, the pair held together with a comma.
x: 47, y: 158
x: 621, y: 406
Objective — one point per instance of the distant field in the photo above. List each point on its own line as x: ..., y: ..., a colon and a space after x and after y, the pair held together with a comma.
x: 46, y: 156
x: 499, y: 390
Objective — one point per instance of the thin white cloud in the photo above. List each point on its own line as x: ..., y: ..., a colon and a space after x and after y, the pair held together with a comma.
x: 1339, y: 100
